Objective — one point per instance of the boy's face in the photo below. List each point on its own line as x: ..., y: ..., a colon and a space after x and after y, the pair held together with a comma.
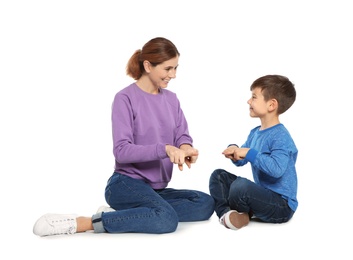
x: 258, y: 106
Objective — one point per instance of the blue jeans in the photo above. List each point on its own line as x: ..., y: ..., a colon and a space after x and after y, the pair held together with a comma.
x: 232, y: 192
x: 139, y: 208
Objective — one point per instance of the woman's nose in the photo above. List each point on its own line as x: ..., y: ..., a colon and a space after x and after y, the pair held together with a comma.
x: 172, y: 73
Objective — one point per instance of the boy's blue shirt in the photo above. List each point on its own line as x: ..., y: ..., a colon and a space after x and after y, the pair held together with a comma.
x: 273, y: 155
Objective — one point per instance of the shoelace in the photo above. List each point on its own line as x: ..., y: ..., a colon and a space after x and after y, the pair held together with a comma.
x: 63, y: 226
x: 221, y: 221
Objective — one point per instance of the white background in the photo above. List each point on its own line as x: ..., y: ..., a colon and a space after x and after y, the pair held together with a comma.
x: 61, y: 63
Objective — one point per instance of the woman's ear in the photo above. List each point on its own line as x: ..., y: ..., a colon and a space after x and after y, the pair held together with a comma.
x: 147, y: 66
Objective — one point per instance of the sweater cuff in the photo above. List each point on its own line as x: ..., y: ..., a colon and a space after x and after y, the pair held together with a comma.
x: 161, y: 151
x: 251, y: 155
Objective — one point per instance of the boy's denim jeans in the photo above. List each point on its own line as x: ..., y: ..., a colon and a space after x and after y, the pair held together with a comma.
x: 232, y: 192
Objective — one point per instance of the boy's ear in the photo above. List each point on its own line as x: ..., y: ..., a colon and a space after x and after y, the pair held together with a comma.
x: 273, y: 105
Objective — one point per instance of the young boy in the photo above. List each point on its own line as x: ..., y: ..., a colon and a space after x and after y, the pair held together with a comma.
x: 272, y: 153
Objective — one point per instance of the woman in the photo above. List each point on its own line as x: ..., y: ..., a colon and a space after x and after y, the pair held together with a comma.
x: 150, y: 135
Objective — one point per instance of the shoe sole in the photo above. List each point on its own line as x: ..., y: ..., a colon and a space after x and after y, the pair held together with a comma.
x: 235, y: 220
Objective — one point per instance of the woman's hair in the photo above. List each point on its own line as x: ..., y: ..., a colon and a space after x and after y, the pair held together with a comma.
x: 277, y: 87
x: 156, y: 51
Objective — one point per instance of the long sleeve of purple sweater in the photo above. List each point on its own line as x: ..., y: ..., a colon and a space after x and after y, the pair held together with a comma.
x: 143, y: 124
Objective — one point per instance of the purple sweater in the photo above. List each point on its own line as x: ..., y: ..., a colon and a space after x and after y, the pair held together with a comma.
x: 143, y: 124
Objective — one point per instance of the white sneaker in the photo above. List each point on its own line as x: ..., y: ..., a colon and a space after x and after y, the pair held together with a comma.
x: 105, y: 209
x: 55, y: 224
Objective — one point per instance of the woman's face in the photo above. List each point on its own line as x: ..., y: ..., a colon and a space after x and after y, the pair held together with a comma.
x: 161, y: 74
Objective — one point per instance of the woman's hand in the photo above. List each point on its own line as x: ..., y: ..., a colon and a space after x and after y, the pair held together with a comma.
x: 185, y: 154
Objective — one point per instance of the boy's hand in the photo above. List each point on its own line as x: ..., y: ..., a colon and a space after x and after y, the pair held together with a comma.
x: 235, y: 153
